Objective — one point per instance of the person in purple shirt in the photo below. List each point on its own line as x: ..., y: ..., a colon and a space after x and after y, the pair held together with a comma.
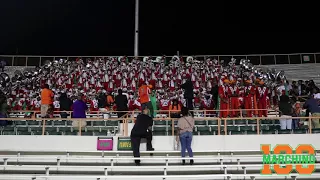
x: 79, y: 108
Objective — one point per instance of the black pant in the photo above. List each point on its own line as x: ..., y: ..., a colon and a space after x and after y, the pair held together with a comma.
x: 120, y: 114
x: 307, y: 113
x: 190, y: 104
x: 135, y: 142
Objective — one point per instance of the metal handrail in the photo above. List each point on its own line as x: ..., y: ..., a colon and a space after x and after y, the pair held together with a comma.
x: 125, y: 124
x: 229, y: 176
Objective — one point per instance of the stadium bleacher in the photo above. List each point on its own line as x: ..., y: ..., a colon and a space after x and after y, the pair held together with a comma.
x: 299, y: 71
x: 216, y: 165
x: 100, y: 165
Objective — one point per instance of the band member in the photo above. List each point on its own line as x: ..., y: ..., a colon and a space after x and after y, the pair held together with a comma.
x: 262, y: 93
x: 224, y: 99
x: 207, y: 104
x: 249, y: 92
x: 233, y: 93
x: 56, y: 105
x: 165, y: 103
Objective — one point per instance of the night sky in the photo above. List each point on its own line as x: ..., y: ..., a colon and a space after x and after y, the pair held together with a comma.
x: 75, y: 27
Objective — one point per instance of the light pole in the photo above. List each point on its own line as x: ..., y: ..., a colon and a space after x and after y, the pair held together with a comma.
x: 136, y: 30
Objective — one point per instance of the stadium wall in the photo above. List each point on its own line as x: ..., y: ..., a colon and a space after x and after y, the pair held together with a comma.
x: 161, y: 143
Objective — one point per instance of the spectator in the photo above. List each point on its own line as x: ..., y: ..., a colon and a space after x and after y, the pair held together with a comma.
x: 214, y: 92
x: 296, y: 113
x: 185, y: 125
x: 141, y: 129
x: 188, y: 93
x: 175, y: 109
x: 65, y: 105
x: 110, y: 101
x: 79, y: 108
x: 301, y: 88
x: 3, y: 110
x: 286, y: 111
x: 102, y: 101
x: 121, y: 103
x: 46, y: 99
x: 316, y: 94
x: 312, y: 106
x: 154, y: 103
x: 144, y: 92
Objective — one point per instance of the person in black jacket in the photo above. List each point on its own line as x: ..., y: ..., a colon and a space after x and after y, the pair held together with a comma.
x: 214, y: 92
x: 121, y: 103
x: 65, y: 105
x: 286, y: 112
x: 102, y: 101
x: 141, y: 129
x: 188, y: 93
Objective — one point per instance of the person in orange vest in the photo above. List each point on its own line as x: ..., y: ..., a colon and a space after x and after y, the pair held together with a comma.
x: 110, y: 101
x: 175, y: 109
x: 46, y: 100
x: 144, y: 92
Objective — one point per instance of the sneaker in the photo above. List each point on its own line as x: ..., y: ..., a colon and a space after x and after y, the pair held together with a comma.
x: 191, y: 162
x: 183, y: 162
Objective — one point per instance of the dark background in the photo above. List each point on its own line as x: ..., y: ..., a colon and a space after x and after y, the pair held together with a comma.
x: 89, y: 28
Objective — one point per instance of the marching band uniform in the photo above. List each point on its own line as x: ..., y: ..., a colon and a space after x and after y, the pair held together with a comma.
x: 224, y: 99
x: 56, y: 105
x: 249, y: 92
x: 207, y: 103
x: 233, y: 93
x: 164, y: 104
x: 262, y: 93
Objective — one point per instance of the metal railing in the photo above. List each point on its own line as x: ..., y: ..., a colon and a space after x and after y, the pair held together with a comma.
x: 291, y: 176
x: 256, y: 59
x: 129, y: 116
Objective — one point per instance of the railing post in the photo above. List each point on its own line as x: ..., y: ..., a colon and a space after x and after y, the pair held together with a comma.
x: 275, y: 59
x: 47, y: 171
x: 289, y: 59
x: 260, y: 60
x: 310, y: 125
x: 40, y: 61
x: 172, y: 126
x: 106, y: 171
x: 301, y: 58
x: 219, y: 126
x: 315, y: 58
x: 43, y: 126
x: 225, y: 126
x: 58, y: 162
x: 80, y: 124
x: 27, y: 61
x: 258, y: 125
x: 12, y: 60
x: 126, y: 124
x: 5, y: 161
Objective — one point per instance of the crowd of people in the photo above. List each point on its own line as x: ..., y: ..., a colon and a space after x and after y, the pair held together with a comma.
x: 216, y: 85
